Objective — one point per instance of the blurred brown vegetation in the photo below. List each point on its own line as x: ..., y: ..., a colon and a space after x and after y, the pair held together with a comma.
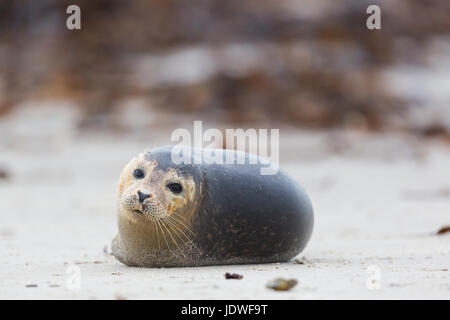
x: 308, y: 63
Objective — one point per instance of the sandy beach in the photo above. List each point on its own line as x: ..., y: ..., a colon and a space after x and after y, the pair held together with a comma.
x: 379, y: 200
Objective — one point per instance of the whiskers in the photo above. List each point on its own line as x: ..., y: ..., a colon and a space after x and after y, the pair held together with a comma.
x: 128, y: 202
x: 173, y: 232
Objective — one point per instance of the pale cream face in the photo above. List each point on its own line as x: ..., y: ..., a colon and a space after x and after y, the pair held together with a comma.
x: 148, y: 193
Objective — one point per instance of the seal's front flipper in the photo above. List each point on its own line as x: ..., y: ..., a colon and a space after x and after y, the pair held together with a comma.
x: 117, y: 250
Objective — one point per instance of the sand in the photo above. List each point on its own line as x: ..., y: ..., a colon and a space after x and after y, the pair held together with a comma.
x: 379, y: 200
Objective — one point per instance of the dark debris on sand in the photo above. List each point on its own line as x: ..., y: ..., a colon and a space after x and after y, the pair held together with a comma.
x: 444, y: 230
x: 4, y: 175
x: 233, y: 276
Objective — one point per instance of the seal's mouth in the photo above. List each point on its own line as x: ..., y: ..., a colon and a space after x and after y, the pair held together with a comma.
x: 149, y: 209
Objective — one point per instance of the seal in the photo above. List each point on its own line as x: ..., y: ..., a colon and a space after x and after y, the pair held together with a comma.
x: 188, y: 214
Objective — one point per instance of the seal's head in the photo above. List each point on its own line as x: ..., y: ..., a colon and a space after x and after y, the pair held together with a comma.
x: 152, y: 188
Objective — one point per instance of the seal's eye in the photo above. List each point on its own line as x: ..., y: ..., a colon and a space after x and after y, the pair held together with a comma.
x: 139, y: 174
x: 175, y: 187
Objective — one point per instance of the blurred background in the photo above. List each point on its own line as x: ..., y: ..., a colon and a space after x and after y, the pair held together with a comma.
x: 364, y: 119
x: 310, y: 64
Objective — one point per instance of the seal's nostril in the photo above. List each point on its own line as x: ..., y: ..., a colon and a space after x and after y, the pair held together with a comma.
x: 142, y: 196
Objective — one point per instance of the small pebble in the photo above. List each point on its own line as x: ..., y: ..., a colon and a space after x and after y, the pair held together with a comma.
x: 282, y: 284
x: 444, y: 230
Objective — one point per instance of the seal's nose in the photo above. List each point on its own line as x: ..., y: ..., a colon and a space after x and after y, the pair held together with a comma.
x: 142, y: 196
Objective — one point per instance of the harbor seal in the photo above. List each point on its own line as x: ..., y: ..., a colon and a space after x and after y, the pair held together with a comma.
x: 173, y: 215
